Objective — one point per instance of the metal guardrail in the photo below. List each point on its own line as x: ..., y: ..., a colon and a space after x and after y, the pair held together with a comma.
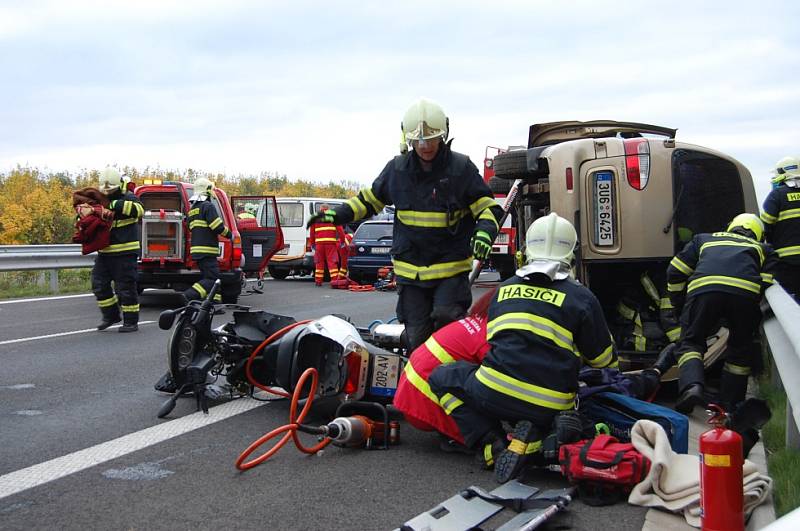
x: 44, y: 257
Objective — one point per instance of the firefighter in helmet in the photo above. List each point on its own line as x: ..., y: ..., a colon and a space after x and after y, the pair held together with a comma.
x: 117, y: 261
x: 542, y: 325
x: 781, y: 217
x: 325, y: 238
x: 205, y: 225
x: 444, y: 216
x: 719, y: 276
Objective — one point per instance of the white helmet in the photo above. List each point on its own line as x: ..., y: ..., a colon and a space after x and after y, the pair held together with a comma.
x: 110, y: 181
x: 203, y: 186
x: 425, y: 120
x: 549, y: 246
x: 787, y: 168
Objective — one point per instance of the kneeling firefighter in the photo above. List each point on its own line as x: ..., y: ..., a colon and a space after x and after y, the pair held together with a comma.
x: 205, y: 224
x: 541, y: 325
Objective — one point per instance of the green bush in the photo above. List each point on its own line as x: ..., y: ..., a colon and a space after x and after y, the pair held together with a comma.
x: 30, y: 283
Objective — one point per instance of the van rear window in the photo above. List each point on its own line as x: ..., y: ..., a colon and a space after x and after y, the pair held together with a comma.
x: 290, y: 214
x: 708, y: 193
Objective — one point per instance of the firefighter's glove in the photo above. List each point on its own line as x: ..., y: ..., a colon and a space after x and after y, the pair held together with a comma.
x: 481, y: 244
x: 329, y: 216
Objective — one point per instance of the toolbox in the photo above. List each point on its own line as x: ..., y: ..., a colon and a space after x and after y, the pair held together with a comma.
x: 162, y: 235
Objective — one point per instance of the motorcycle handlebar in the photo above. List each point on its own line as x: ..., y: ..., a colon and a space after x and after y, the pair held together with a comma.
x: 208, y: 304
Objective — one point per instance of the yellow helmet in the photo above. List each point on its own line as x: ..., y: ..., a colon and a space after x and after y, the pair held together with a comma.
x: 425, y: 120
x: 110, y: 181
x: 203, y: 186
x: 749, y: 222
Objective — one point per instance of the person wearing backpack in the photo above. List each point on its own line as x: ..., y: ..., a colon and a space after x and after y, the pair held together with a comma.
x: 542, y: 326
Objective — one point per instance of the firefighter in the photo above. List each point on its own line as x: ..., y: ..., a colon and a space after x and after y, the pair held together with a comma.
x: 205, y: 225
x: 444, y: 215
x: 325, y: 240
x: 344, y: 252
x: 542, y: 325
x: 719, y: 276
x: 117, y: 261
x: 781, y: 217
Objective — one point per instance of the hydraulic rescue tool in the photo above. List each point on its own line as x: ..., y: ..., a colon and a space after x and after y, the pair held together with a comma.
x: 477, y: 265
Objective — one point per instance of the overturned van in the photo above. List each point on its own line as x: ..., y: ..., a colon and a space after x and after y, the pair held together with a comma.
x: 636, y: 196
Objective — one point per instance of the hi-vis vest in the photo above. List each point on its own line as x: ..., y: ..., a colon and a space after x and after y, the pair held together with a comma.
x: 324, y: 233
x: 781, y: 217
x: 205, y: 225
x: 460, y: 340
x: 721, y: 261
x: 436, y: 213
x: 540, y: 335
x: 124, y: 237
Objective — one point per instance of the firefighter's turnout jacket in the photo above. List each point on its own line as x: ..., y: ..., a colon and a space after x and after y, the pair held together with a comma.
x: 540, y: 335
x: 781, y: 217
x: 722, y: 261
x: 205, y: 225
x: 326, y: 239
x: 124, y: 237
x: 463, y: 340
x: 436, y: 213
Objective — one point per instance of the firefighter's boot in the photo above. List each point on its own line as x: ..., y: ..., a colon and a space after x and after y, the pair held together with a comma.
x: 490, y: 448
x: 690, y: 397
x: 110, y: 317
x: 131, y: 323
x: 666, y: 359
x: 524, y: 442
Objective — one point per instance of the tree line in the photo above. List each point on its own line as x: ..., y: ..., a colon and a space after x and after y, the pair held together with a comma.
x: 36, y: 206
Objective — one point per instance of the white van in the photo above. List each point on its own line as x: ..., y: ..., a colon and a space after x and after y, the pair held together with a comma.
x: 296, y: 257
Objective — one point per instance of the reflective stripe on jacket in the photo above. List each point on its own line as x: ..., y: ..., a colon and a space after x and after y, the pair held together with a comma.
x: 124, y: 237
x: 459, y: 340
x: 781, y: 217
x: 436, y: 213
x: 205, y: 224
x: 540, y: 334
x: 722, y: 261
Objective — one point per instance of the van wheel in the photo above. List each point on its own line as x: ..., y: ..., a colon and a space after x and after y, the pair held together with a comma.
x: 500, y: 186
x: 511, y: 165
x: 280, y: 274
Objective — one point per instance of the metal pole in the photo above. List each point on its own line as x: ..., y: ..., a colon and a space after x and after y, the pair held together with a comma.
x: 54, y: 280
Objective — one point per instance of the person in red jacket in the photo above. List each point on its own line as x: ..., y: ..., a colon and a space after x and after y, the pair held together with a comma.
x: 344, y: 252
x: 460, y: 340
x: 325, y: 238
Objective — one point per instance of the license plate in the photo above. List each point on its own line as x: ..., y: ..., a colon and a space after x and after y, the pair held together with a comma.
x: 502, y: 239
x: 385, y: 375
x: 380, y: 250
x: 604, y: 209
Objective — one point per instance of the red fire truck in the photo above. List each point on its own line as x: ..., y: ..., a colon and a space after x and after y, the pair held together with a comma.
x: 504, y: 248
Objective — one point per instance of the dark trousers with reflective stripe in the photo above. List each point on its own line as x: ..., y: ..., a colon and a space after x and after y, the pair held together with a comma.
x: 483, y: 409
x: 209, y: 272
x: 701, y: 317
x: 425, y: 307
x: 121, y: 269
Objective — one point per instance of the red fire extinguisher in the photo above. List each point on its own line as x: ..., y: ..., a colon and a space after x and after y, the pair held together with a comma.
x: 721, y: 491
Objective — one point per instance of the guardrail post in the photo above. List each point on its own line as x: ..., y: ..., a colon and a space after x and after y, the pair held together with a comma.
x: 41, y: 279
x: 54, y: 280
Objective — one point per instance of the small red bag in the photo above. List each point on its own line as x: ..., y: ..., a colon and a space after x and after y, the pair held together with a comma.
x: 603, y: 468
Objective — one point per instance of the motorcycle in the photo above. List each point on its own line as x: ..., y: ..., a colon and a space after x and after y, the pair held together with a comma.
x: 263, y: 350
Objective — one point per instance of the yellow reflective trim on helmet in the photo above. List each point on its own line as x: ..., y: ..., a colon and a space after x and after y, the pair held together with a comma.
x: 755, y: 246
x: 535, y: 324
x: 681, y: 266
x: 527, y: 392
x: 688, y: 356
x: 443, y: 270
x: 481, y: 204
x: 105, y: 303
x: 725, y: 281
x: 438, y: 351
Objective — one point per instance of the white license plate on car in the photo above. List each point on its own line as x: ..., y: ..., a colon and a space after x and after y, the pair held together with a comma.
x: 380, y: 250
x: 385, y: 375
x: 604, y: 209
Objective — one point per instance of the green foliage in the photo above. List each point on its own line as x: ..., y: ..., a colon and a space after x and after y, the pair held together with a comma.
x: 31, y: 283
x: 36, y: 208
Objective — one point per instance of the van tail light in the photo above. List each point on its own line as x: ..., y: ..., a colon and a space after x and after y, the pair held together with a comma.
x: 637, y: 162
x: 570, y: 180
x: 237, y: 249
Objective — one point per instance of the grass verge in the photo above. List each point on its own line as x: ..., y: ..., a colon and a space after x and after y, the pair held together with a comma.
x: 783, y: 462
x: 31, y: 283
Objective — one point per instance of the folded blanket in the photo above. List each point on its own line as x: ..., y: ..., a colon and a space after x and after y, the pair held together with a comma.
x: 674, y: 479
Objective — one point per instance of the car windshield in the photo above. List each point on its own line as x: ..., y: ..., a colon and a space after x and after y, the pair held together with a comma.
x: 374, y: 231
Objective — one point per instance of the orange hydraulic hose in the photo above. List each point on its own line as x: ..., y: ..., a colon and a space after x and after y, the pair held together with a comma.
x: 289, y: 430
x: 248, y: 367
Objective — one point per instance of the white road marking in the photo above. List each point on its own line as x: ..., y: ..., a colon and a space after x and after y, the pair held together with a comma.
x: 36, y: 475
x: 60, y: 334
x: 41, y: 299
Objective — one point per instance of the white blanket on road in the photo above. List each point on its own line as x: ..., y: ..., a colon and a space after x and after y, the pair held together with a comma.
x: 673, y: 482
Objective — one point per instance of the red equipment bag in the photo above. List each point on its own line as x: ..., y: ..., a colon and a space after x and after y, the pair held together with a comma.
x: 603, y: 468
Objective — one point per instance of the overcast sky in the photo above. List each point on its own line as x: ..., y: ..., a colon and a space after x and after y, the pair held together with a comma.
x: 316, y: 90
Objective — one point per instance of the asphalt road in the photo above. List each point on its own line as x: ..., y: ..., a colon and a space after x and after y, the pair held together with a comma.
x: 65, y: 388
